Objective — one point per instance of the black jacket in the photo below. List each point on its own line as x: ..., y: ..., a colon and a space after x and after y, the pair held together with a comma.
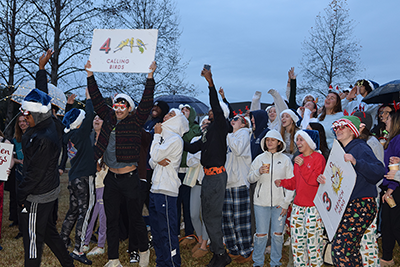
x: 41, y: 148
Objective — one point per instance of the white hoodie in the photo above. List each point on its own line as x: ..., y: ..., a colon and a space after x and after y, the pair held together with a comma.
x: 238, y: 158
x: 266, y: 193
x: 168, y: 144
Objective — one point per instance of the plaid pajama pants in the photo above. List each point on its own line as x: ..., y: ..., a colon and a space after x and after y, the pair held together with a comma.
x: 236, y: 222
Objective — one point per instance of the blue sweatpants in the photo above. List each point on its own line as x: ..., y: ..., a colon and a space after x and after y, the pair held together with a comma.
x: 164, y: 221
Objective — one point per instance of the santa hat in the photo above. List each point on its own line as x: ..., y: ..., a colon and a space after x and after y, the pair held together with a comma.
x: 373, y: 84
x: 294, y: 115
x: 310, y: 136
x: 125, y: 97
x: 352, y: 122
x: 36, y: 101
x: 73, y: 119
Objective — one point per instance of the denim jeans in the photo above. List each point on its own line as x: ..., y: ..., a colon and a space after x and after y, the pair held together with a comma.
x: 266, y: 216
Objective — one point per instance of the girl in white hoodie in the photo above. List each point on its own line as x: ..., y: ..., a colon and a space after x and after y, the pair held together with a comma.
x: 236, y: 224
x: 270, y: 202
x: 166, y: 153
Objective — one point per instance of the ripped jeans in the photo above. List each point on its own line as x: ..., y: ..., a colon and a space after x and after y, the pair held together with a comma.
x: 266, y: 217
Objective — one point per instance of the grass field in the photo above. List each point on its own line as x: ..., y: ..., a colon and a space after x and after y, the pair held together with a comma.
x: 13, y: 251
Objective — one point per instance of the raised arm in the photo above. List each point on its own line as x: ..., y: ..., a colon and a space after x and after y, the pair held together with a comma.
x: 41, y: 76
x: 146, y: 103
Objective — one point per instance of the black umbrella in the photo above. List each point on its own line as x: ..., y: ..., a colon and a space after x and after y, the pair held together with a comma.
x: 385, y: 93
x: 175, y: 100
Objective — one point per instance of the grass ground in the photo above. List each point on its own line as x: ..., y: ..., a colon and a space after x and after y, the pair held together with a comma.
x: 13, y: 251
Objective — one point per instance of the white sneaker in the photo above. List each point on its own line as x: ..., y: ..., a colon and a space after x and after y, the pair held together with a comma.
x: 96, y: 251
x: 85, y: 248
x: 144, y: 258
x: 113, y: 263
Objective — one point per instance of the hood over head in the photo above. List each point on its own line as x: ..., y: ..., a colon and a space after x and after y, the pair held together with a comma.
x: 273, y: 134
x: 177, y: 124
x: 261, y: 120
x: 193, y: 113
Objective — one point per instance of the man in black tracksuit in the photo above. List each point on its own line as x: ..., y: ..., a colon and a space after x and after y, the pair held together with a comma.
x: 213, y: 156
x: 40, y: 188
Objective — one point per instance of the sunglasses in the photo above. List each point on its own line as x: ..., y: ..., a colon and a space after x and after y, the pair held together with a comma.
x: 238, y: 118
x: 341, y: 127
x: 121, y: 107
x: 24, y: 111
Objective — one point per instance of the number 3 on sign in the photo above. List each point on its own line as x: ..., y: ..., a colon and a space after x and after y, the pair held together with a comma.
x: 106, y: 46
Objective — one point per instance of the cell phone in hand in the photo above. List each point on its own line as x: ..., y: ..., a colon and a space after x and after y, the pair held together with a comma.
x: 207, y: 67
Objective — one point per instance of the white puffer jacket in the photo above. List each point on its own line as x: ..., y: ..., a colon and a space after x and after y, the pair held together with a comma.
x: 168, y: 144
x: 266, y: 193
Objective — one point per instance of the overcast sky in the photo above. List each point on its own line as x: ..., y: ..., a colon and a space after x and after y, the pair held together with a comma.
x: 251, y: 44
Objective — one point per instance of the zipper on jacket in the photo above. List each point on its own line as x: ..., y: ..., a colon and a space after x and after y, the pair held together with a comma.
x: 271, y: 171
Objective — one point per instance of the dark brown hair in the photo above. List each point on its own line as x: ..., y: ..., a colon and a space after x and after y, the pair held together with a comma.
x: 394, y: 126
x: 18, y: 132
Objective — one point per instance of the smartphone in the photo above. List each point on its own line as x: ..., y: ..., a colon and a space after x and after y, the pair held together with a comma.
x: 207, y: 67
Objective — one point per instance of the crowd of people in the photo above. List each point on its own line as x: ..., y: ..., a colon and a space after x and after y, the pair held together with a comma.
x: 239, y: 181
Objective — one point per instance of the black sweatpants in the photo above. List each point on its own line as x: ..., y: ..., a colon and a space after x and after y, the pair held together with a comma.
x: 38, y: 227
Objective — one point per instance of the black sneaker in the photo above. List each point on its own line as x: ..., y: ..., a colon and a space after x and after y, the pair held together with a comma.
x: 81, y: 258
x: 222, y: 260
x: 212, y: 261
x: 134, y: 257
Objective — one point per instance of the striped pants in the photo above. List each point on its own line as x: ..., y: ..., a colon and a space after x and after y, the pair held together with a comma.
x: 306, y: 230
x: 38, y: 227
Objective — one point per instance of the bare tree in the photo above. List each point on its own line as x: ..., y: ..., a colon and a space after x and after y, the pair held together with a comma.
x: 149, y: 14
x: 331, y: 53
x: 64, y: 26
x: 14, y: 17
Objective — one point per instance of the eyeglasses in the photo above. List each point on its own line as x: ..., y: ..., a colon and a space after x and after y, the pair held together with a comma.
x: 341, y: 127
x: 24, y: 111
x: 121, y: 107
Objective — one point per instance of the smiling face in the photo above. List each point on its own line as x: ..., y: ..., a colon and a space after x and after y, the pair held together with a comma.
x: 330, y: 101
x: 253, y: 122
x: 204, y: 124
x: 155, y: 111
x: 97, y: 123
x: 303, y: 146
x: 272, y: 114
x: 286, y: 120
x: 344, y: 135
x: 121, y: 110
x: 22, y: 123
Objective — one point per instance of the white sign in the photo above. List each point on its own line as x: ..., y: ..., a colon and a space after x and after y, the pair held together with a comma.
x: 123, y: 50
x: 6, y: 154
x: 333, y: 196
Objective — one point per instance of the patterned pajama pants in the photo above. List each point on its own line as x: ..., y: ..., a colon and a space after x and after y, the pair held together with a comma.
x: 306, y: 230
x: 236, y: 223
x: 369, y: 246
x: 359, y: 214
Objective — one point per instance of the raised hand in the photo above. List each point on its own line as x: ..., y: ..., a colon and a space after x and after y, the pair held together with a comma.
x: 88, y: 66
x: 45, y: 58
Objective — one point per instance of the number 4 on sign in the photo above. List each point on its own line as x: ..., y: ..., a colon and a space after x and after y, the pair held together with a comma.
x: 106, y: 46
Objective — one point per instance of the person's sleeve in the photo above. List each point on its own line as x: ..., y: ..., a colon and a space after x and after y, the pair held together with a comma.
x: 289, y: 184
x: 231, y: 115
x: 146, y: 103
x: 397, y: 177
x: 41, y: 81
x: 215, y: 106
x: 192, y: 147
x: 193, y: 160
x: 238, y: 143
x: 87, y: 123
x: 98, y: 101
x: 306, y: 119
x: 279, y: 104
x: 64, y: 157
x: 68, y: 107
x: 36, y: 169
x: 256, y: 101
x: 289, y: 194
x: 292, y: 96
x: 254, y: 173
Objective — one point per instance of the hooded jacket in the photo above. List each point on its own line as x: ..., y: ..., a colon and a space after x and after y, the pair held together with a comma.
x: 266, y: 193
x: 193, y: 161
x: 261, y: 122
x: 41, y: 148
x: 168, y: 144
x: 194, y: 130
x: 80, y: 149
x: 238, y: 158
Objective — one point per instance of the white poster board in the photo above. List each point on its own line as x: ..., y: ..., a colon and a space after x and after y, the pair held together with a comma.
x: 333, y: 196
x: 123, y: 50
x: 6, y: 154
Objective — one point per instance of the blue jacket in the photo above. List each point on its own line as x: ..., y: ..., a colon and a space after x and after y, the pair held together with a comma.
x: 261, y: 121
